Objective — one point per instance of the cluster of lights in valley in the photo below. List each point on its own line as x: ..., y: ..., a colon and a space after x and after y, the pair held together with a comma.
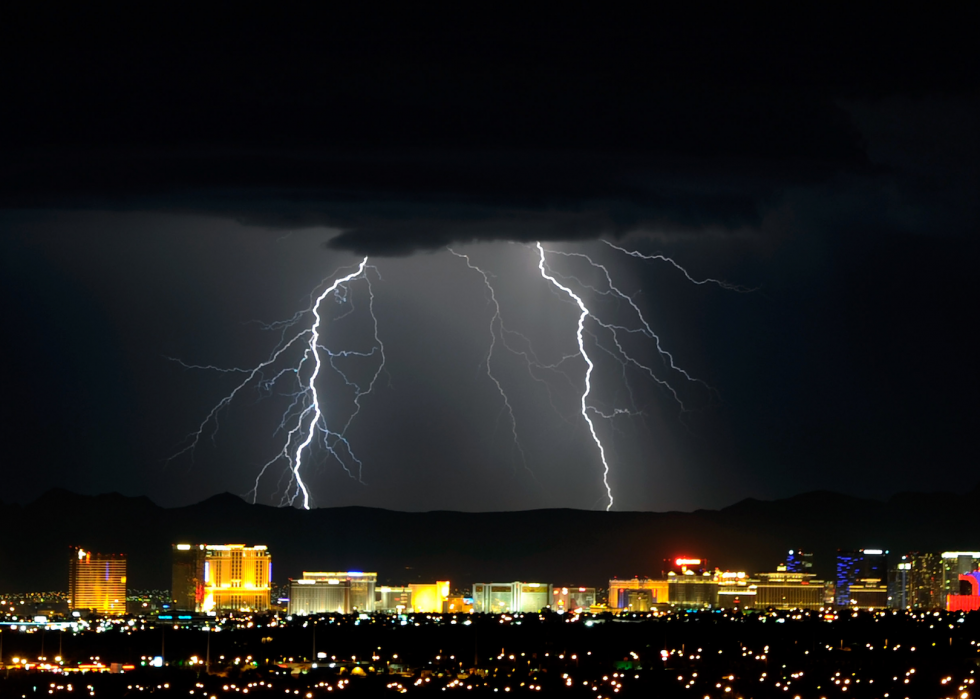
x: 302, y: 355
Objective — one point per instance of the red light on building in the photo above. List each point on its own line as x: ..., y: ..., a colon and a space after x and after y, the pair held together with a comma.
x: 687, y: 562
x: 966, y: 603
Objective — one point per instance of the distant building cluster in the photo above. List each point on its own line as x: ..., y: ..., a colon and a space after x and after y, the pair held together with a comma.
x: 863, y: 580
x: 216, y: 578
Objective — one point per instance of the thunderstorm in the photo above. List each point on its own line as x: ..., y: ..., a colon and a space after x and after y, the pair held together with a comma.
x: 307, y: 349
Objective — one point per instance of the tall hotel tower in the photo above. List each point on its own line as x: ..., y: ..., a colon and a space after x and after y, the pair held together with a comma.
x: 97, y: 581
x: 229, y: 577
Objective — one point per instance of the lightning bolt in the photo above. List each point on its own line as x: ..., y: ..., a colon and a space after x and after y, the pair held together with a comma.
x: 664, y: 258
x: 588, y: 372
x: 617, y: 332
x: 303, y: 418
x: 304, y: 425
x: 644, y: 328
x: 496, y: 322
x: 314, y: 407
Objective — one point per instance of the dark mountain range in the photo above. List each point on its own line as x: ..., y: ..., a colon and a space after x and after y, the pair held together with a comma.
x: 558, y: 546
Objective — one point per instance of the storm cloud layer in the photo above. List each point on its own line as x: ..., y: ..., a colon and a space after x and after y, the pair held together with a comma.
x: 408, y: 131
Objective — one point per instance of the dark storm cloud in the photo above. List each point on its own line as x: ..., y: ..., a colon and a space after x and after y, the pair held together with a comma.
x: 406, y: 133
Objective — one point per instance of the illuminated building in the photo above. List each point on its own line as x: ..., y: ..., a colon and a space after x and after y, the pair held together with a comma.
x: 692, y: 591
x: 237, y: 577
x: 187, y: 581
x: 917, y: 582
x: 430, y: 598
x: 869, y: 593
x: 340, y: 593
x: 968, y: 601
x: 391, y: 600
x: 638, y: 594
x: 788, y: 590
x: 737, y: 597
x: 798, y: 562
x: 459, y: 605
x: 497, y: 598
x: 855, y: 566
x: 955, y: 565
x: 734, y: 590
x: 97, y: 581
x: 570, y: 599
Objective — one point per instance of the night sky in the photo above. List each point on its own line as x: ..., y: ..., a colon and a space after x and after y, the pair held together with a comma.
x: 171, y: 183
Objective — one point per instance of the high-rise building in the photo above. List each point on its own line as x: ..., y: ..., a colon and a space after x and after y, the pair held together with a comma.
x: 955, y: 564
x: 187, y: 587
x: 916, y: 582
x: 97, y: 582
x: 333, y: 593
x: 237, y: 578
x: 798, y: 561
x: 862, y: 566
x: 788, y: 590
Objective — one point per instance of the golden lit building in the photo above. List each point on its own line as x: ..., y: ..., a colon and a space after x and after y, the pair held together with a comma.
x: 97, y: 581
x: 637, y: 594
x: 430, y: 598
x: 237, y: 578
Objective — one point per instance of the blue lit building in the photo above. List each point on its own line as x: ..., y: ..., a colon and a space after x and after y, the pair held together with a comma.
x: 859, y: 568
x: 799, y: 562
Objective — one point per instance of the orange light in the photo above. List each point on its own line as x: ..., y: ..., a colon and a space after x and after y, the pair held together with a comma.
x: 688, y: 561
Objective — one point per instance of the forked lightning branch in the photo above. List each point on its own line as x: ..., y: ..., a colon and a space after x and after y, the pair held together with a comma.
x: 307, y: 349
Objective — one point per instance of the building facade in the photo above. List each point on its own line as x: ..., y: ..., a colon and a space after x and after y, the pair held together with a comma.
x: 916, y: 582
x: 956, y: 564
x: 789, y: 590
x: 97, y: 582
x: 391, y: 600
x: 968, y: 600
x: 187, y: 577
x: 334, y: 593
x: 430, y: 598
x: 861, y: 566
x: 570, y: 599
x: 637, y: 594
x: 799, y: 561
x: 691, y: 591
x: 237, y: 578
x: 500, y: 598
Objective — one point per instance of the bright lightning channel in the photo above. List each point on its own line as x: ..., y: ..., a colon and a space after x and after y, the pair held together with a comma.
x: 620, y: 353
x: 588, y: 372
x: 297, y: 460
x: 304, y: 417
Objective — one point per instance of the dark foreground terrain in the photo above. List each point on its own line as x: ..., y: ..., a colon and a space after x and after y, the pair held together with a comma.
x: 707, y: 654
